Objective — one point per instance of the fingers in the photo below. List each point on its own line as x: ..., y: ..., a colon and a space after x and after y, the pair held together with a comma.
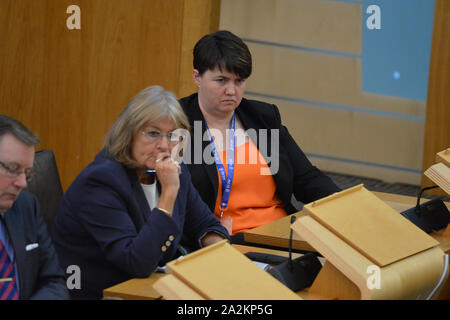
x: 162, y: 157
x: 167, y: 171
x: 178, y: 166
x: 167, y: 160
x: 227, y: 223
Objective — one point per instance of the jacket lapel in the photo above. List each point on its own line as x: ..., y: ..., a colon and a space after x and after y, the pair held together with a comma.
x: 252, y: 121
x: 140, y: 213
x: 194, y: 114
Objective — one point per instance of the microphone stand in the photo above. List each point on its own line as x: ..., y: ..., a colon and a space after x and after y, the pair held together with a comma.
x: 290, y: 264
x: 298, y: 273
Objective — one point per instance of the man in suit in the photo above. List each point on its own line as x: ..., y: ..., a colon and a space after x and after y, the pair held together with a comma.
x: 29, y: 266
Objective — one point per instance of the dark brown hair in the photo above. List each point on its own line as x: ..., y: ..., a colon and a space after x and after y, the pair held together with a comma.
x: 224, y: 50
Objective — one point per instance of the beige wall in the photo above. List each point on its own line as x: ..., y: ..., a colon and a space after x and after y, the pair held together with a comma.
x: 307, y: 60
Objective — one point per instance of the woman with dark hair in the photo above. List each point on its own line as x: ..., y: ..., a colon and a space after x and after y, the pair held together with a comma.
x: 256, y: 165
x: 117, y: 221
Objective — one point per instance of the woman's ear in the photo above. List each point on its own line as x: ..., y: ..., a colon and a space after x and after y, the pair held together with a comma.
x: 196, y: 76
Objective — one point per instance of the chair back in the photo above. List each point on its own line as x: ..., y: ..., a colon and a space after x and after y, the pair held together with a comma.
x: 46, y: 185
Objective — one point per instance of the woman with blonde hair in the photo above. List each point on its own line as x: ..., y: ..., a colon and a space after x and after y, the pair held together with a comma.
x: 127, y: 211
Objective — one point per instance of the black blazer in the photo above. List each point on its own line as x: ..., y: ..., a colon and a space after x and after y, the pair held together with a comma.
x: 40, y: 276
x: 295, y: 175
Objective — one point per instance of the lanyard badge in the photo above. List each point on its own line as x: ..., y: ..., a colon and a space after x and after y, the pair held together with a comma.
x: 227, y: 180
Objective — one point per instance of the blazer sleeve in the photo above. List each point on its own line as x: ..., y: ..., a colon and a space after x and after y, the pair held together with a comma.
x: 50, y: 283
x: 309, y: 182
x: 199, y: 218
x: 104, y: 213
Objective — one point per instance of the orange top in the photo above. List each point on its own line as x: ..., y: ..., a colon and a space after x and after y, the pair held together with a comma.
x: 252, y: 199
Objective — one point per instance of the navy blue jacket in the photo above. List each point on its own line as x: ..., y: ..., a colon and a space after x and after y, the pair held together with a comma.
x: 106, y: 228
x: 40, y: 276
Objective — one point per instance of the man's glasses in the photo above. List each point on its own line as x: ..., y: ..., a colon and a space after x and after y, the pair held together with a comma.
x: 156, y: 136
x: 12, y: 171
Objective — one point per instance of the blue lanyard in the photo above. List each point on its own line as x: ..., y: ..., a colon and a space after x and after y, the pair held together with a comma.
x: 227, y: 180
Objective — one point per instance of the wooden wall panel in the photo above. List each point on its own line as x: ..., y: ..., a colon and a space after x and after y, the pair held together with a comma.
x: 69, y: 85
x: 22, y: 28
x: 437, y: 129
x: 356, y: 136
x: 200, y: 17
x: 320, y: 77
x: 308, y: 60
x: 294, y: 22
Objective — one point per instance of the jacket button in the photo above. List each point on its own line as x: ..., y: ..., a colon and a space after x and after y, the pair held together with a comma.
x: 171, y: 238
x: 168, y: 243
x: 163, y: 248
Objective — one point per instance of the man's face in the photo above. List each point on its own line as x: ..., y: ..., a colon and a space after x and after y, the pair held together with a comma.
x: 18, y: 157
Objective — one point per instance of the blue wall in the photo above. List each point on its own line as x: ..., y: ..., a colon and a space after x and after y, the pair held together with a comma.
x: 396, y: 57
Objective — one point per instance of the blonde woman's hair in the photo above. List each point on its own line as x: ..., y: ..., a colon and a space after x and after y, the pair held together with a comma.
x: 148, y: 106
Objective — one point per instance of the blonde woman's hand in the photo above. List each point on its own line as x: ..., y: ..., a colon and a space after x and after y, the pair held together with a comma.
x: 168, y: 173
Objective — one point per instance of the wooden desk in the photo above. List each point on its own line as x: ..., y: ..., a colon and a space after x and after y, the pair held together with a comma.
x: 135, y: 289
x: 142, y: 289
x: 276, y: 233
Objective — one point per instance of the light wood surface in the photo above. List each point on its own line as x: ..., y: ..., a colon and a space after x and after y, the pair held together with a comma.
x: 175, y: 289
x: 230, y: 275
x: 410, y: 278
x: 142, y: 289
x: 369, y: 225
x: 357, y: 232
x: 172, y: 288
x: 135, y: 289
x: 444, y: 157
x: 245, y: 249
x: 331, y: 284
x: 439, y: 173
x: 276, y: 233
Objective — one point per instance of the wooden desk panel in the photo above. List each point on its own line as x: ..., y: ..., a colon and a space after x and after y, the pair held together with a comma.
x: 142, y: 289
x: 276, y: 233
x: 135, y: 289
x: 244, y: 249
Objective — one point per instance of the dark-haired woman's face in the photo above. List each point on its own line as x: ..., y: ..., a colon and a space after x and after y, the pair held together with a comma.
x: 219, y: 92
